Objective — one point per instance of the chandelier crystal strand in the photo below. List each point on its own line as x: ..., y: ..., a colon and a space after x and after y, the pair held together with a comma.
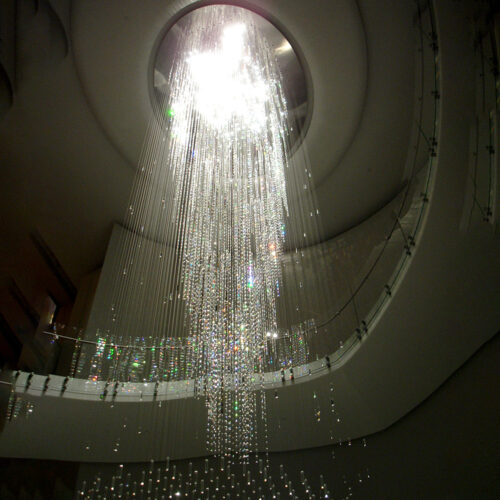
x: 228, y: 146
x: 207, y: 277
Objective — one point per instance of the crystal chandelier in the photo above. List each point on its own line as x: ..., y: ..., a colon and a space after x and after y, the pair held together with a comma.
x: 228, y: 147
x: 217, y: 205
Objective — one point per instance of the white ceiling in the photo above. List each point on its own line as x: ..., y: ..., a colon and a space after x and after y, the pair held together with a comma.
x: 72, y: 138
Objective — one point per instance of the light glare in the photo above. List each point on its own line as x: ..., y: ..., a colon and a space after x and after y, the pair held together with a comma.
x: 226, y: 84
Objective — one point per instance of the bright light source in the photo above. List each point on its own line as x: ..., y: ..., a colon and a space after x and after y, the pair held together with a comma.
x: 227, y: 84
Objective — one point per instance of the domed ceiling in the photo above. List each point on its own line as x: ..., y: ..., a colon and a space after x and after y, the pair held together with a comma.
x: 360, y: 59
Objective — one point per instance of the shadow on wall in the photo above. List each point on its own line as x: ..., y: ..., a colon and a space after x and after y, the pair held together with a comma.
x: 32, y: 41
x: 37, y: 479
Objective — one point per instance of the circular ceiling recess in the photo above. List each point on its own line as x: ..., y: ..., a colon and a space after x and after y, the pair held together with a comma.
x: 357, y: 134
x: 295, y: 83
